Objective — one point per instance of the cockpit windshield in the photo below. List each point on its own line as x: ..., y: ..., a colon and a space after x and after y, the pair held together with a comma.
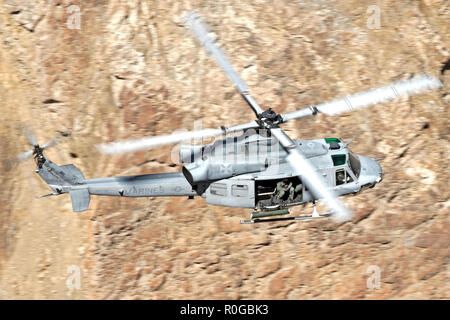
x: 354, y: 163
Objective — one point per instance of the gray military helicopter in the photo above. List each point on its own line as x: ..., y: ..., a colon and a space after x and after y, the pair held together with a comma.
x: 254, y: 165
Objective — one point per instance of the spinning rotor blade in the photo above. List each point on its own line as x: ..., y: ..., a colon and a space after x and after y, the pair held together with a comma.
x: 33, y: 141
x: 30, y: 136
x: 25, y: 155
x: 416, y: 85
x: 200, y: 31
x: 51, y: 143
x: 311, y: 178
x: 157, y: 141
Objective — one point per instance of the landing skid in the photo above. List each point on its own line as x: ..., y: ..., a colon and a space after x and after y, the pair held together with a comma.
x: 286, y: 219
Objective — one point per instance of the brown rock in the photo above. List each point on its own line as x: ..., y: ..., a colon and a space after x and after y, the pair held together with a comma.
x: 270, y: 264
x: 131, y: 70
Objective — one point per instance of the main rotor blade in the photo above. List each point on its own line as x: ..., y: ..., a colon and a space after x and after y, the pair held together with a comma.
x: 200, y: 31
x: 157, y: 141
x: 416, y: 85
x: 311, y: 178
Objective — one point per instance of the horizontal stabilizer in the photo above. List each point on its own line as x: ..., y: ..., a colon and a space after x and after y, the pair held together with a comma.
x: 80, y: 199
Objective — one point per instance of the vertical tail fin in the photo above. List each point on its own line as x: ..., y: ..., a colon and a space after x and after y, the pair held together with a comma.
x: 71, y: 174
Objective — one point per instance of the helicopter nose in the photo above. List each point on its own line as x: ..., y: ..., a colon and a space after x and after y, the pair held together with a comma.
x: 378, y: 170
x: 380, y: 177
x: 371, y: 172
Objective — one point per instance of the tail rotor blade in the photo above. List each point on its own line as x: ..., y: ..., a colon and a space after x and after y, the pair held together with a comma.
x: 51, y: 143
x: 30, y: 136
x: 25, y: 155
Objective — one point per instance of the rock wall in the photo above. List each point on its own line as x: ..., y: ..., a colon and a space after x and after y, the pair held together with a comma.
x: 127, y: 69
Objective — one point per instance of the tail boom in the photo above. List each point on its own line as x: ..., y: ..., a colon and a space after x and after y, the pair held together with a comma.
x: 147, y: 185
x: 69, y: 179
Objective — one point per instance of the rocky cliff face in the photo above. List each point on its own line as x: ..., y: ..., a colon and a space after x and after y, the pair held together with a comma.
x: 129, y: 69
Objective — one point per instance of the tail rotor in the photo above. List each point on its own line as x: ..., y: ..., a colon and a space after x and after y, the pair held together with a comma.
x: 36, y: 151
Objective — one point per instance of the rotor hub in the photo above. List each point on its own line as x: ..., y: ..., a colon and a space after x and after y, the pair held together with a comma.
x: 269, y: 119
x: 39, y: 155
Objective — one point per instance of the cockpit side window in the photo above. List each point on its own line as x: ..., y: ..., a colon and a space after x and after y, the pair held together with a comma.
x: 342, y: 176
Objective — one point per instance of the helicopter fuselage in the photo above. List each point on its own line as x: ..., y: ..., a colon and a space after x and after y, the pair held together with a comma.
x: 252, y: 172
x: 248, y: 171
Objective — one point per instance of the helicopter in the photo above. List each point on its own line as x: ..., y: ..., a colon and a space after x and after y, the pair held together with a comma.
x: 255, y: 165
